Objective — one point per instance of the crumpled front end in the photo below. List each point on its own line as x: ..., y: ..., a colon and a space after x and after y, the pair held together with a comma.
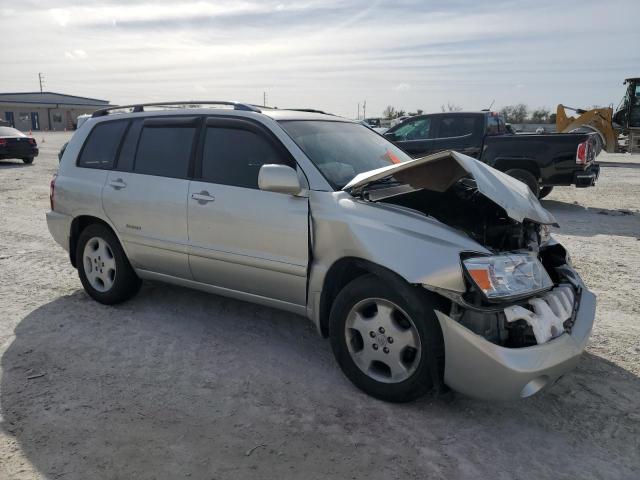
x: 513, y: 351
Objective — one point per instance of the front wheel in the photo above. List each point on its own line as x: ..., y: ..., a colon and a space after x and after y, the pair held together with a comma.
x: 103, y: 267
x: 387, y: 339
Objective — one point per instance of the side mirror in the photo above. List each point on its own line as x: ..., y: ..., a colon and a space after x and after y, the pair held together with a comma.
x: 279, y: 178
x: 390, y: 136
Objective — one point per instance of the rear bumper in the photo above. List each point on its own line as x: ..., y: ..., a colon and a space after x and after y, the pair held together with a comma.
x: 60, y: 227
x: 587, y: 177
x: 18, y: 152
x: 481, y: 369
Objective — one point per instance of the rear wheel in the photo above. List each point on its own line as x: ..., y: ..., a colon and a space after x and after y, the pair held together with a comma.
x: 104, y: 270
x: 527, y: 178
x: 27, y: 160
x: 386, y: 338
x: 544, y: 191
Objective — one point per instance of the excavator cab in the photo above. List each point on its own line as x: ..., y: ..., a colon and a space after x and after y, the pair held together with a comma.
x: 628, y: 113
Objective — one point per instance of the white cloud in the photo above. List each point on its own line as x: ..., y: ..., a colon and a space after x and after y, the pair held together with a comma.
x: 328, y: 54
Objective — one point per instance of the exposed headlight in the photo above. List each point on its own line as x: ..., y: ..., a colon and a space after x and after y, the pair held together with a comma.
x: 506, y: 276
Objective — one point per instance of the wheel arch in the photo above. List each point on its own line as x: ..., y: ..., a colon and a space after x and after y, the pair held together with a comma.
x: 505, y: 164
x: 342, y: 272
x: 78, y: 224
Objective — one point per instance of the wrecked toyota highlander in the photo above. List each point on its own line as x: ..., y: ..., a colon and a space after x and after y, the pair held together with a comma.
x: 424, y: 273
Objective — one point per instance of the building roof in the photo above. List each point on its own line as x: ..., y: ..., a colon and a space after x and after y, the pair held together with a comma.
x: 50, y: 98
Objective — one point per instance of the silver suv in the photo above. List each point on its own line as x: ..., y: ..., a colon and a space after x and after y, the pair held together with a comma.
x: 424, y: 273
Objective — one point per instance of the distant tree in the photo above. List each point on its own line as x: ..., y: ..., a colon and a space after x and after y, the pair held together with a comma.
x: 552, y: 118
x: 540, y: 115
x: 389, y: 112
x: 515, y: 113
x: 451, y: 107
x: 400, y: 113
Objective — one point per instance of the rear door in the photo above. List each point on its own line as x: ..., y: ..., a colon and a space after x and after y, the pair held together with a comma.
x: 242, y: 238
x: 145, y: 197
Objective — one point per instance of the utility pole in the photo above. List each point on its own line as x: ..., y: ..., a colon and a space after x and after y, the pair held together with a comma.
x: 264, y: 99
x: 358, y: 117
x: 364, y: 109
x: 41, y: 80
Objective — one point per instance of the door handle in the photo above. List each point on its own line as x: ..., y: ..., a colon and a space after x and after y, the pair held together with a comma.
x: 203, y: 197
x: 118, y: 183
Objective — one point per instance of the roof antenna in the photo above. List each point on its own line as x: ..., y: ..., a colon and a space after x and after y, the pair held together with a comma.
x: 492, y: 102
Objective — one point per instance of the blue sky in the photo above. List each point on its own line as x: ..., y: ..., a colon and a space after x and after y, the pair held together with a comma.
x: 326, y: 54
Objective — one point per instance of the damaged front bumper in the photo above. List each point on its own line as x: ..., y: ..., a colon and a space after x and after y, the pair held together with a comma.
x: 478, y: 368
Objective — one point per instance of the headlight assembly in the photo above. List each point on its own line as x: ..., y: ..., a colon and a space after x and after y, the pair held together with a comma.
x: 504, y: 277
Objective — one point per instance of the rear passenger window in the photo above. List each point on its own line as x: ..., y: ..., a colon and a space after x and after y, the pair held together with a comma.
x: 493, y: 127
x: 233, y: 157
x: 101, y: 147
x: 165, y: 151
x: 456, y: 126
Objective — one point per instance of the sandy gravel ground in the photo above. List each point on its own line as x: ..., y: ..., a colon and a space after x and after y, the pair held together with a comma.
x: 180, y: 384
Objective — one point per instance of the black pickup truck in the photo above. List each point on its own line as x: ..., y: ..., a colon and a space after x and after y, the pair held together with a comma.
x: 540, y: 161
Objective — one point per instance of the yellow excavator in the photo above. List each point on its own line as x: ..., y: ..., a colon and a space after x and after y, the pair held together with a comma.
x: 608, y: 125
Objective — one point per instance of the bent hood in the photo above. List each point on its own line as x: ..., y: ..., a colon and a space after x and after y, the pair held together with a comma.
x: 438, y: 172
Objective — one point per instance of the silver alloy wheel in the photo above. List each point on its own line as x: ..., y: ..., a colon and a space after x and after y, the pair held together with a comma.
x: 383, y: 340
x: 99, y: 264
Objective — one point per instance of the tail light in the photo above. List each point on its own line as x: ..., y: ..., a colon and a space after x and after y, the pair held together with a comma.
x: 3, y: 142
x: 32, y: 141
x: 52, y: 190
x: 582, y: 154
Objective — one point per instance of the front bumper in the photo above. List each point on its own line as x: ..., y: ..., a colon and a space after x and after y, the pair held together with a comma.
x: 481, y: 369
x: 587, y: 177
x: 60, y: 227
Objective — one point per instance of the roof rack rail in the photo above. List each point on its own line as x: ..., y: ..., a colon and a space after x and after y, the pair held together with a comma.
x: 139, y: 107
x: 309, y: 110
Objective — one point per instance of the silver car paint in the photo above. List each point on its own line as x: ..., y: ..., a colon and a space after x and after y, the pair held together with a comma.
x: 418, y: 248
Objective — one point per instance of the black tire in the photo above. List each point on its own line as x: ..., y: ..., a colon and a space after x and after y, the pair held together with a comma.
x: 28, y: 160
x: 419, y: 306
x: 527, y: 178
x: 544, y: 191
x: 125, y: 282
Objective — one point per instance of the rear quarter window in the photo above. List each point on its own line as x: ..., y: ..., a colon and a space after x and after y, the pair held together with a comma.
x: 100, y: 149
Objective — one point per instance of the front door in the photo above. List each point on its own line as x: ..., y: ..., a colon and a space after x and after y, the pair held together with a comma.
x: 414, y: 136
x: 35, y: 121
x: 145, y: 197
x: 242, y: 238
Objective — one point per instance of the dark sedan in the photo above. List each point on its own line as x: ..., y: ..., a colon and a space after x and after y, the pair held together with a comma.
x: 15, y: 144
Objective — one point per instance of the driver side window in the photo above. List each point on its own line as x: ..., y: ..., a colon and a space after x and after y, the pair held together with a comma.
x: 415, y: 130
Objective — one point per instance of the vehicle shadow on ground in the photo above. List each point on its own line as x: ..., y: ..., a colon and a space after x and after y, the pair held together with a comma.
x: 178, y: 383
x: 582, y: 221
x: 618, y: 164
x: 8, y: 164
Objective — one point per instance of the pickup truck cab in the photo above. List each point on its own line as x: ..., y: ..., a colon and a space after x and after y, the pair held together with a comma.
x: 539, y: 161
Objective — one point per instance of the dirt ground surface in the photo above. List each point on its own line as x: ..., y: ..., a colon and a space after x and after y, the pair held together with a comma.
x: 181, y: 384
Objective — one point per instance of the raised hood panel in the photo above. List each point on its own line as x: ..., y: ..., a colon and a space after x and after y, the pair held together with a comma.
x: 438, y: 172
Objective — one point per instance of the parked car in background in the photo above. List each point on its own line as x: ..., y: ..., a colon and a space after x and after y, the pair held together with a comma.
x: 539, y: 161
x: 423, y: 273
x: 15, y: 144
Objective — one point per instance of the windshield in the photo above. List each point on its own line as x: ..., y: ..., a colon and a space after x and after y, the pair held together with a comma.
x: 341, y: 150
